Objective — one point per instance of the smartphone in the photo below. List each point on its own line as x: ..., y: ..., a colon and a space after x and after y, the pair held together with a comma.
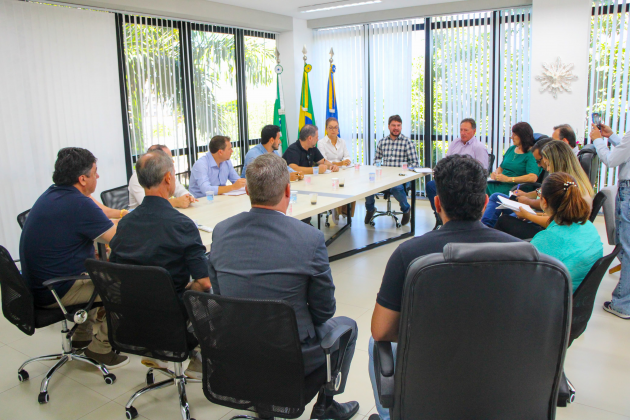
x: 597, y: 119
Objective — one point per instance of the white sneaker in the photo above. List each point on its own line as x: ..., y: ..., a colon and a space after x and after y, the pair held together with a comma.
x: 608, y: 308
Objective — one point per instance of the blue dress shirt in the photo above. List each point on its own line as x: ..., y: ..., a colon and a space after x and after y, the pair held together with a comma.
x: 618, y: 156
x: 206, y: 175
x: 253, y: 153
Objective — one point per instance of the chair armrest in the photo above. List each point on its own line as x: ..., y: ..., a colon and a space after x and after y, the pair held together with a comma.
x: 80, y: 316
x: 384, y: 372
x: 338, y: 338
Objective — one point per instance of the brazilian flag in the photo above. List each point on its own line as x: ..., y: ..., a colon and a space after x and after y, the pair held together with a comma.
x: 306, y: 104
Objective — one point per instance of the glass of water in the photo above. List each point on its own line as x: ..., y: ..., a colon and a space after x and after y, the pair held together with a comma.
x: 210, y: 196
x: 294, y: 195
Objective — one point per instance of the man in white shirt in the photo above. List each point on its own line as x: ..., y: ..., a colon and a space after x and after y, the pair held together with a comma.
x: 565, y: 133
x: 181, y: 198
x: 332, y: 146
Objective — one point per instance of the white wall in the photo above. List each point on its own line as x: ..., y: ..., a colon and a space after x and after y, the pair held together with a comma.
x: 290, y: 45
x: 560, y: 28
x: 61, y: 89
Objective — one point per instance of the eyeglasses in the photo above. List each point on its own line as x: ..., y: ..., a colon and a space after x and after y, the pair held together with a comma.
x: 538, y: 161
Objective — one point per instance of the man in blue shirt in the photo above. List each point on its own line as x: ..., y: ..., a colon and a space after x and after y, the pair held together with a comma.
x: 59, y: 236
x: 212, y: 171
x: 269, y: 143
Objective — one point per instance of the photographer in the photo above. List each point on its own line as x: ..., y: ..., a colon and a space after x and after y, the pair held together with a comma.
x: 618, y: 156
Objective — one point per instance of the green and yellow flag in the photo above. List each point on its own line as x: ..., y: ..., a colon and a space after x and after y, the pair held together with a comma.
x: 307, y: 115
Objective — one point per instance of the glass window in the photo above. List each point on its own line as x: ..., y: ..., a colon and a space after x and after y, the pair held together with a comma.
x: 260, y: 83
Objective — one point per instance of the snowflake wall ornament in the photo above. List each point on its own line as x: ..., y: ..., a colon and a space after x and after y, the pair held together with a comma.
x: 556, y: 78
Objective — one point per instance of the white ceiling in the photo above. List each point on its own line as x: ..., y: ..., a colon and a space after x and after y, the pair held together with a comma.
x: 290, y: 7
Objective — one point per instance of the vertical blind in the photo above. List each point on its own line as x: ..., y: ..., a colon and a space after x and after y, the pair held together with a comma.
x: 61, y: 89
x: 349, y: 59
x: 609, y: 57
x: 155, y: 93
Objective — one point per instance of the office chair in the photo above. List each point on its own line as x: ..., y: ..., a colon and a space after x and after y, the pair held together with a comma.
x: 609, y: 213
x: 146, y: 318
x: 483, y: 334
x: 590, y: 162
x: 387, y: 195
x: 19, y: 308
x: 583, y: 304
x: 116, y: 198
x: 252, y: 358
x: 491, y: 159
x: 598, y: 201
x: 21, y: 218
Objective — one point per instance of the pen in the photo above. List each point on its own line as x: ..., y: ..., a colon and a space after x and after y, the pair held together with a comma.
x: 518, y: 187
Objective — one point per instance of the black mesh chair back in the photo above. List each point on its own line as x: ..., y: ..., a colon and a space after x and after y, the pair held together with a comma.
x: 491, y: 159
x: 144, y: 314
x: 21, y: 218
x: 584, y: 295
x: 116, y: 198
x: 598, y: 201
x: 252, y: 359
x: 483, y: 333
x: 590, y: 162
x: 17, y: 300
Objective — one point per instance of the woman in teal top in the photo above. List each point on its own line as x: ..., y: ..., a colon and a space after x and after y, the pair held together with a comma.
x: 570, y: 237
x: 519, y: 165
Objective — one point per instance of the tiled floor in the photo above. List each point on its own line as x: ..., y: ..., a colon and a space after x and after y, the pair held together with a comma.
x: 598, y: 363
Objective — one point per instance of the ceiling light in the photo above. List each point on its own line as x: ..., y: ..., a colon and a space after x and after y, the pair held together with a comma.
x: 335, y: 5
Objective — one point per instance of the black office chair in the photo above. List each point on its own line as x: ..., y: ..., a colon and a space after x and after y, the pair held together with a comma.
x: 145, y: 317
x: 19, y: 308
x: 483, y: 333
x: 583, y: 304
x: 491, y: 159
x: 598, y: 201
x: 532, y: 186
x: 252, y: 359
x: 184, y: 178
x: 387, y: 195
x: 21, y: 218
x: 590, y: 162
x: 116, y: 198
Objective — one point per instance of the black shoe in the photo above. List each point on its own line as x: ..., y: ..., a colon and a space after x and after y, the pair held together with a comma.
x: 368, y: 216
x: 80, y: 345
x: 374, y: 417
x: 406, y: 217
x: 111, y: 360
x: 438, y: 223
x: 335, y: 411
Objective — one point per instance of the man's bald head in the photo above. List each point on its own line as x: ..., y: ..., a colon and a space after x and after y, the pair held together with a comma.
x: 152, y: 167
x: 161, y: 147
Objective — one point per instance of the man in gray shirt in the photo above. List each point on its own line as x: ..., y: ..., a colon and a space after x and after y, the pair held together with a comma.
x: 281, y: 258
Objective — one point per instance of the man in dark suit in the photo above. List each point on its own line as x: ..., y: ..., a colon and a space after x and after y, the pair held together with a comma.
x: 264, y: 254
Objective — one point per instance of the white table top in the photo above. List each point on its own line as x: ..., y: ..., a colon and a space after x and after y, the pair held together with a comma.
x: 357, y: 185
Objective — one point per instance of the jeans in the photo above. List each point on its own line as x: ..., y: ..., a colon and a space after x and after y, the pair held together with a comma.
x: 621, y: 294
x: 491, y: 215
x: 382, y: 412
x: 398, y: 192
x: 431, y: 193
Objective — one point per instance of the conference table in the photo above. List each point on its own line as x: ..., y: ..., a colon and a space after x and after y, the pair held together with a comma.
x: 357, y: 185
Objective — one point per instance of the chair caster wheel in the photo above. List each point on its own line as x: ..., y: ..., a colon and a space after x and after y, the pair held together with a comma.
x: 43, y: 398
x: 398, y: 225
x: 150, y: 380
x: 110, y: 378
x: 327, y: 225
x: 131, y: 413
x: 22, y: 376
x: 372, y: 224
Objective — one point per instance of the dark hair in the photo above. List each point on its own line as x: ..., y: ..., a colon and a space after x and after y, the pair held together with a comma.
x: 307, y: 131
x: 268, y: 132
x: 461, y: 184
x: 152, y: 167
x: 329, y: 120
x: 72, y: 162
x: 218, y: 143
x: 540, y: 144
x: 470, y: 121
x: 157, y: 147
x: 565, y: 203
x: 566, y: 133
x: 394, y: 118
x: 524, y: 132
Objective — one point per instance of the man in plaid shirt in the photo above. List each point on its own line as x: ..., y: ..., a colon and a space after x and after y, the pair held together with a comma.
x: 394, y: 150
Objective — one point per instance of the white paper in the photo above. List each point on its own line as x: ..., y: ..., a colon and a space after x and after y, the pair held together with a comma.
x: 506, y: 203
x: 204, y: 228
x: 240, y: 191
x: 423, y: 170
x: 328, y: 171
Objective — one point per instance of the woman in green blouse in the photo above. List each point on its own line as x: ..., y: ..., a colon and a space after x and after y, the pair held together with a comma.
x: 519, y: 165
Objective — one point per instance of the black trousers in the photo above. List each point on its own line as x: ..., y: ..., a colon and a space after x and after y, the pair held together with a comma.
x: 314, y: 355
x: 518, y: 228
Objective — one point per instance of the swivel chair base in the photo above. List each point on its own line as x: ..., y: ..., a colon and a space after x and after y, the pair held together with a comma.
x: 175, y: 378
x: 67, y: 355
x: 389, y: 212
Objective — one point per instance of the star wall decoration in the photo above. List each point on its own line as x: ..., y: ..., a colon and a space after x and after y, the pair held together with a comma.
x: 556, y: 78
